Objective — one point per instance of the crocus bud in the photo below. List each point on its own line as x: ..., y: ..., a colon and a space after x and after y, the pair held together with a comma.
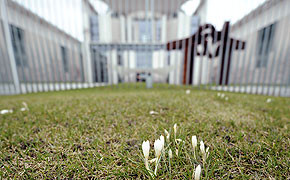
x: 153, y: 113
x: 194, y: 142
x: 25, y: 105
x: 170, y: 154
x: 162, y: 140
x: 6, y: 111
x: 167, y: 134
x: 175, y: 129
x: 202, y: 148
x: 197, y: 173
x: 158, y: 146
x: 187, y: 91
x: 146, y: 149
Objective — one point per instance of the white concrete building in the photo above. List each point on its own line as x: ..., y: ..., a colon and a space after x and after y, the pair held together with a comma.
x: 132, y: 39
x: 265, y: 60
x: 42, y: 51
x: 266, y: 32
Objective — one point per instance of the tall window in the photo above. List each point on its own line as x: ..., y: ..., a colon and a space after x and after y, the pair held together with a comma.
x: 94, y: 25
x: 158, y: 30
x: 264, y: 45
x: 194, y: 24
x: 120, y: 58
x: 64, y: 58
x: 17, y: 37
x: 145, y: 30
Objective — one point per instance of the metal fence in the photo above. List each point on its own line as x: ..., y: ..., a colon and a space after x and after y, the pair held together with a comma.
x: 53, y: 45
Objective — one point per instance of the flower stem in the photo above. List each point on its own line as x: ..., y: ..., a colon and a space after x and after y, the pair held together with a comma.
x: 169, y: 169
x: 146, y: 164
x: 157, y: 163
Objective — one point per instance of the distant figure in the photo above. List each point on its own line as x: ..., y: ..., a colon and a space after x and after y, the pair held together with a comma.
x: 149, y: 81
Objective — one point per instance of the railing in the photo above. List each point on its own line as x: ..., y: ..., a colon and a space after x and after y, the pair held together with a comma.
x: 61, y: 45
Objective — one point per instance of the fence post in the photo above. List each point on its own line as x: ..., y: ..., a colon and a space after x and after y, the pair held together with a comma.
x: 11, y: 56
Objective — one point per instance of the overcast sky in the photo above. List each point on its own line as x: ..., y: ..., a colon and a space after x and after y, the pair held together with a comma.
x: 66, y: 14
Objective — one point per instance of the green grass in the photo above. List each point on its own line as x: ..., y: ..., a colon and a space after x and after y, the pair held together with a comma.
x: 97, y: 133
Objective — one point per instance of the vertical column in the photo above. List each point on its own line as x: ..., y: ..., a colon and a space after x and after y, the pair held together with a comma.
x: 85, y: 46
x: 163, y: 29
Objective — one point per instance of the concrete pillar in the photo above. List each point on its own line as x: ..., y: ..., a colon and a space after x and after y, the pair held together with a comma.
x: 86, y: 45
x: 164, y: 29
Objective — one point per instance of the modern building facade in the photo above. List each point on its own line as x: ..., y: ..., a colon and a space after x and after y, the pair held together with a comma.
x: 43, y: 53
x: 265, y: 59
x: 131, y: 37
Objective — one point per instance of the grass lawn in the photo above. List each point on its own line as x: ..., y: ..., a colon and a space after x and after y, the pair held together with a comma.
x: 97, y: 133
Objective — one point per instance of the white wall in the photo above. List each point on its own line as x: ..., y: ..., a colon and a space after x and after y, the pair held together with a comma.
x: 244, y: 62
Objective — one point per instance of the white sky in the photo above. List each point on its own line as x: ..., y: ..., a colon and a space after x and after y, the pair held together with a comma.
x: 67, y: 15
x: 229, y: 10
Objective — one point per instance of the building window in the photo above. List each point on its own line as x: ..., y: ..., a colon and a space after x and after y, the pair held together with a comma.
x: 144, y: 59
x: 82, y: 67
x: 194, y: 24
x: 264, y: 45
x: 145, y: 30
x: 94, y: 24
x: 158, y: 30
x: 17, y: 38
x: 120, y: 58
x: 64, y: 58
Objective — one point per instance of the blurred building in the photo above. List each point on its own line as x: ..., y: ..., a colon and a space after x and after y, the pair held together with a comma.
x: 42, y: 51
x: 266, y: 33
x: 129, y: 41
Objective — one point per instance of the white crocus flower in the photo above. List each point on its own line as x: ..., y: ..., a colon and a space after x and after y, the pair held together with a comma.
x: 167, y: 135
x: 158, y: 146
x: 197, y: 173
x: 226, y: 98
x: 202, y: 148
x: 269, y: 100
x: 6, y: 111
x: 162, y: 140
x: 153, y: 112
x: 218, y: 94
x: 207, y: 151
x: 194, y: 142
x: 203, y: 151
x: 187, y: 91
x: 222, y: 95
x: 146, y: 149
x: 170, y: 154
x: 175, y: 130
